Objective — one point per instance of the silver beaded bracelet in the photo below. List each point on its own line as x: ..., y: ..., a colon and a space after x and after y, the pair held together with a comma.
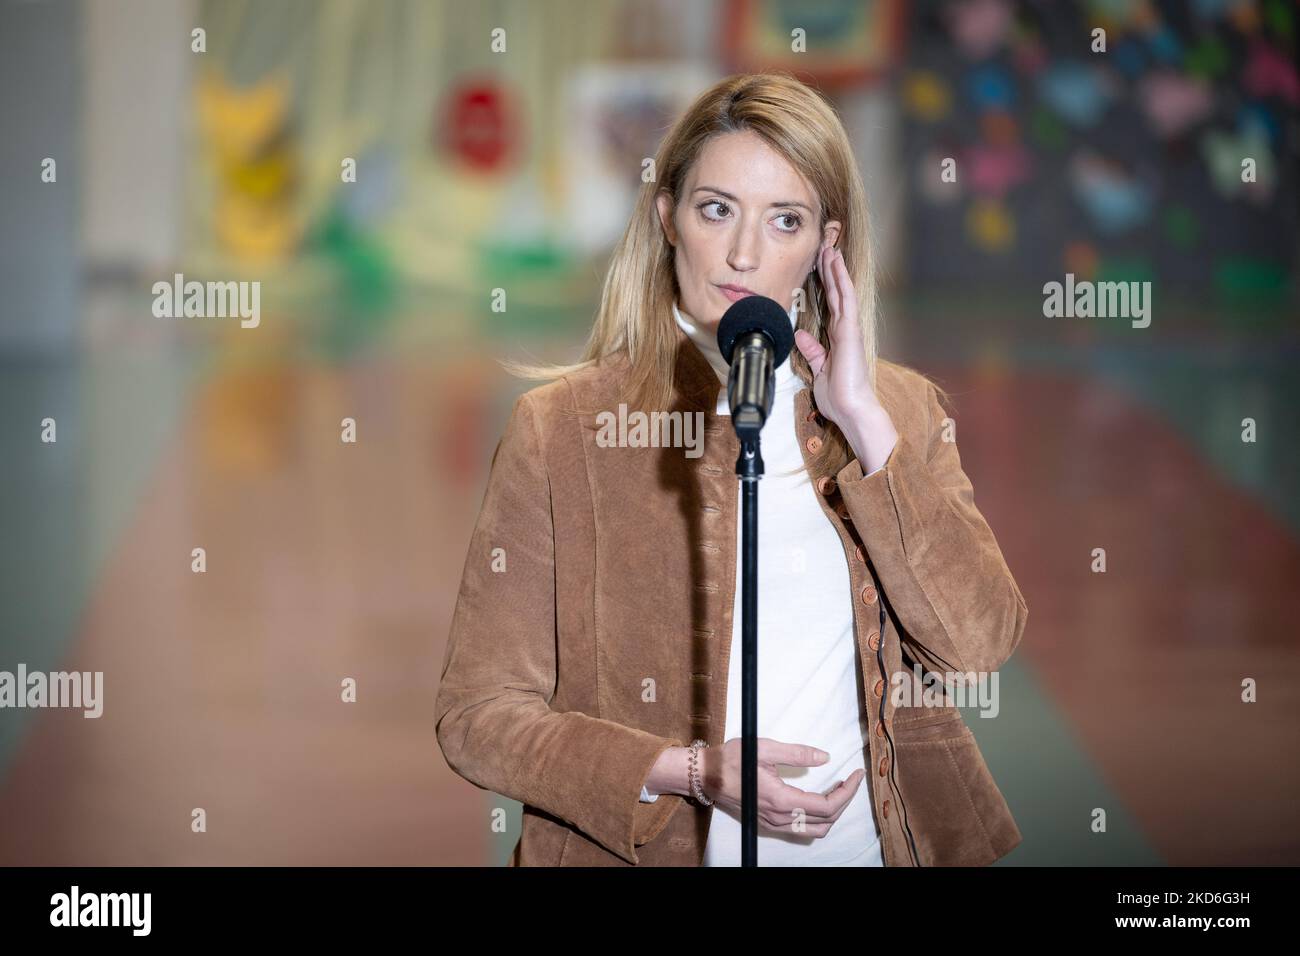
x: 694, y: 773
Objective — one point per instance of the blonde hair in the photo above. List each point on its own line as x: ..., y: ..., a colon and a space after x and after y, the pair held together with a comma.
x: 635, y: 312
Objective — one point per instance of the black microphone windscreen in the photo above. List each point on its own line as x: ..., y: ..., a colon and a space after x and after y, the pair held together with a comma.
x: 757, y: 313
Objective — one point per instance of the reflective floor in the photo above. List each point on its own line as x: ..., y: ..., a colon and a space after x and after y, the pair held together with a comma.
x: 328, y: 561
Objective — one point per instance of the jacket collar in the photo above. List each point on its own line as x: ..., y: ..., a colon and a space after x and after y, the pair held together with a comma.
x: 694, y: 379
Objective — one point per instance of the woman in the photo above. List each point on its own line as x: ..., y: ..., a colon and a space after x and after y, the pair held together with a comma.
x: 597, y: 629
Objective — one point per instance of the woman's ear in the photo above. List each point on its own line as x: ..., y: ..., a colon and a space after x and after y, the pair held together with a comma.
x: 830, y: 236
x: 831, y: 233
x: 664, y: 205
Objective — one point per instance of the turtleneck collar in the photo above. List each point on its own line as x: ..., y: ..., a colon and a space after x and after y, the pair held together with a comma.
x: 707, y: 343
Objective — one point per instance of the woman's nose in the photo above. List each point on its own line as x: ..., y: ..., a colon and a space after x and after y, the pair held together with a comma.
x: 743, y: 256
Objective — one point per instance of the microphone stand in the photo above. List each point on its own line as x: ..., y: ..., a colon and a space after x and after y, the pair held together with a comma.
x: 749, y: 469
x: 750, y: 391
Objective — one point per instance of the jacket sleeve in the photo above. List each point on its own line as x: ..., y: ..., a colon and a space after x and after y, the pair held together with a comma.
x: 493, y: 717
x: 935, y: 556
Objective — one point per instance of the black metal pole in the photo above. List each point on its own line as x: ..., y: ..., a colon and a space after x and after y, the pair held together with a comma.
x: 749, y: 467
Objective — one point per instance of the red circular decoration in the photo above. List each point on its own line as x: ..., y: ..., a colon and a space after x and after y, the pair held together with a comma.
x: 479, y: 129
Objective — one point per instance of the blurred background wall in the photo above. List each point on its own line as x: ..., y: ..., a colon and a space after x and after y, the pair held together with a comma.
x: 379, y: 169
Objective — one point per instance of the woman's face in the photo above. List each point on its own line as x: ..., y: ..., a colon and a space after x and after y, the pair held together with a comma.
x: 745, y: 218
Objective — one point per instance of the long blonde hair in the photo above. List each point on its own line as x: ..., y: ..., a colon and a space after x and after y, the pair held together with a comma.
x: 635, y: 312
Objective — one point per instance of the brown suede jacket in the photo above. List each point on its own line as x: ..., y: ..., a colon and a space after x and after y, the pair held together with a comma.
x: 594, y: 571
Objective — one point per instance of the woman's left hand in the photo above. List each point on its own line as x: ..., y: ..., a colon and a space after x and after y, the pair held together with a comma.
x: 840, y: 384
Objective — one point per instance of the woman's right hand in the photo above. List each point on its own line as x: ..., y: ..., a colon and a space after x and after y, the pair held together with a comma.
x: 778, y: 801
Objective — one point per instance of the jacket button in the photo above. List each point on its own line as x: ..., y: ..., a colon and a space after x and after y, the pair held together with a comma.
x: 844, y: 513
x: 857, y: 551
x: 873, y: 641
x: 879, y: 689
x: 869, y: 594
x: 814, y: 444
x: 880, y: 729
x: 811, y: 416
x: 885, y: 809
x: 884, y: 765
x: 826, y: 485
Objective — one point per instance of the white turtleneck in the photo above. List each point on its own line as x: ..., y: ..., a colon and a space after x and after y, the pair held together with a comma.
x: 808, y: 687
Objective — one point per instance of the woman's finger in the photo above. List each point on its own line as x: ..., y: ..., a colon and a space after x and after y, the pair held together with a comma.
x: 841, y: 326
x: 847, y: 295
x: 812, y: 350
x: 810, y: 829
x: 828, y: 283
x: 822, y: 807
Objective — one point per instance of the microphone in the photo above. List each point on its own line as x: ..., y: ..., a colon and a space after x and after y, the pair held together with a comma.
x: 755, y: 337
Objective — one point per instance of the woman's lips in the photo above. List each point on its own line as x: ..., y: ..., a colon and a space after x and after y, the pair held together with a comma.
x: 733, y: 294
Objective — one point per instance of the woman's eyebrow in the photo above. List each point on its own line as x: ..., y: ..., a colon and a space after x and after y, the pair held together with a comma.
x: 723, y: 192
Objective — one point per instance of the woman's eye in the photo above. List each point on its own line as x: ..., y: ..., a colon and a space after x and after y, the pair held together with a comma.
x: 793, y: 221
